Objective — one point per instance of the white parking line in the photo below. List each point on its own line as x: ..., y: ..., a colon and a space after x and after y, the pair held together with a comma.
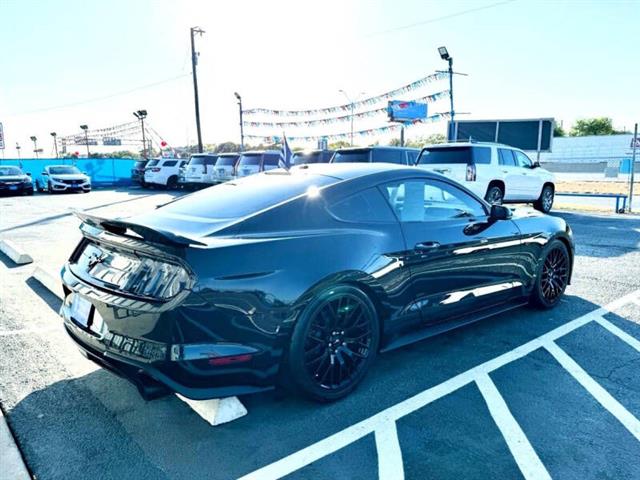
x: 518, y: 443
x: 335, y: 442
x: 622, y: 335
x: 605, y: 399
x: 389, y: 454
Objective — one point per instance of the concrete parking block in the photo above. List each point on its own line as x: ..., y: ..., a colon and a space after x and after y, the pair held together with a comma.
x: 217, y: 410
x: 13, y: 467
x: 49, y: 280
x: 12, y: 251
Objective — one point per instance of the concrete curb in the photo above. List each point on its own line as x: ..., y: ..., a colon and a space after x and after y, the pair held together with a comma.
x: 13, y: 467
x: 12, y: 251
x: 218, y: 410
x: 49, y: 281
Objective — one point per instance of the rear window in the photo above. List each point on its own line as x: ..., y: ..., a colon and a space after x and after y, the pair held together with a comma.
x: 245, y: 196
x: 304, y: 158
x: 170, y: 163
x: 226, y: 161
x: 352, y: 156
x: 271, y: 159
x: 202, y: 160
x: 140, y: 164
x: 389, y: 156
x: 456, y: 155
x: 250, y: 159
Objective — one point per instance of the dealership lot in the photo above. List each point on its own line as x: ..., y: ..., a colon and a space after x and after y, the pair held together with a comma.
x: 529, y: 393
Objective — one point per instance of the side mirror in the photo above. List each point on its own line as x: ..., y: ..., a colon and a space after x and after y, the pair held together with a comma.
x: 45, y: 173
x: 29, y: 173
x: 500, y: 212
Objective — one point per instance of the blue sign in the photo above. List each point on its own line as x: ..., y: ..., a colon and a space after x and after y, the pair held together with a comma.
x: 400, y: 111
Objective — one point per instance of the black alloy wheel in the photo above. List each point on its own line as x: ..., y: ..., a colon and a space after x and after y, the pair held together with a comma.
x: 553, y: 275
x: 172, y: 183
x: 494, y: 195
x: 545, y: 202
x: 334, y: 343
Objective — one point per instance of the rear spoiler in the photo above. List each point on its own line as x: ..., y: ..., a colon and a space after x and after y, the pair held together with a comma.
x: 120, y: 227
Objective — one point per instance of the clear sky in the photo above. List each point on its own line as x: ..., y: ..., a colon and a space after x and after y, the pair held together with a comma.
x: 64, y: 63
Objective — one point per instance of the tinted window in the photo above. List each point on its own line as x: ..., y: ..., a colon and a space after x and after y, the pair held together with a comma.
x: 170, y: 163
x: 506, y: 157
x: 271, y: 159
x: 326, y: 156
x: 226, y: 161
x: 303, y: 158
x: 140, y: 164
x: 250, y: 159
x: 152, y: 163
x: 522, y: 159
x: 427, y: 201
x: 202, y: 160
x: 389, y: 156
x: 245, y: 196
x: 412, y: 157
x: 457, y: 155
x: 481, y: 155
x: 5, y: 171
x: 364, y: 207
x: 63, y: 170
x: 356, y: 156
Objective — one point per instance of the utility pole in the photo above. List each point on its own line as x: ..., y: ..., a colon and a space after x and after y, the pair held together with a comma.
x: 86, y: 137
x: 241, y: 125
x: 194, y: 63
x: 444, y: 55
x: 633, y: 165
x: 35, y: 145
x: 55, y: 142
x: 141, y: 115
x: 352, y: 103
x: 18, y: 147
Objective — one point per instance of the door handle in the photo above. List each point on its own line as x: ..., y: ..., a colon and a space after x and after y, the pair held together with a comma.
x: 426, y: 246
x: 505, y: 171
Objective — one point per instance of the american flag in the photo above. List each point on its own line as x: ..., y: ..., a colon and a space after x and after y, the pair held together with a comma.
x: 285, y: 155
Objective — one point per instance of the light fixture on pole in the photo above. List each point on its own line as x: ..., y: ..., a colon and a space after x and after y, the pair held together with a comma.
x: 55, y: 142
x: 141, y: 115
x: 352, y: 102
x: 444, y: 55
x: 241, y: 125
x: 86, y: 137
x: 194, y: 64
x: 18, y: 147
x: 35, y: 144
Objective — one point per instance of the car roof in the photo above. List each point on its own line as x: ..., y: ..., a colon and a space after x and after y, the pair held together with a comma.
x: 260, y: 152
x: 469, y: 144
x: 315, y: 150
x: 345, y: 171
x: 55, y: 166
x: 376, y: 147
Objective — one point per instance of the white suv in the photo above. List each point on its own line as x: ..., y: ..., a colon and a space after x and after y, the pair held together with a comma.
x: 163, y: 172
x: 199, y: 171
x: 497, y: 173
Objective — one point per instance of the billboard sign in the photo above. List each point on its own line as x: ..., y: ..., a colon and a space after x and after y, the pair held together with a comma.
x: 400, y: 111
x: 1, y: 137
x: 534, y: 134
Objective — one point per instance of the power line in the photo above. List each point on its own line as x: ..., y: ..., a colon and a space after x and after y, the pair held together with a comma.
x: 437, y: 19
x: 105, y: 97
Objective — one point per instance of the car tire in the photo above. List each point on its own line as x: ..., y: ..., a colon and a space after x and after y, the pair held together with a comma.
x: 333, y: 345
x: 49, y: 187
x: 552, y: 277
x: 494, y: 195
x: 545, y: 202
x: 172, y: 183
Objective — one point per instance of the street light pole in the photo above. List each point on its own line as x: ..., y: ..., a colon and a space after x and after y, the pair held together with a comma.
x: 241, y: 125
x: 194, y: 63
x: 141, y: 115
x: 633, y: 164
x: 55, y: 142
x: 35, y: 145
x: 18, y: 147
x: 86, y: 137
x: 444, y: 54
x: 352, y: 102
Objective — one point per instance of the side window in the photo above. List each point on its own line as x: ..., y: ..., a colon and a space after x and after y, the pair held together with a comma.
x: 481, y: 155
x: 506, y: 157
x: 418, y: 200
x: 388, y: 156
x: 367, y: 206
x: 271, y: 160
x: 523, y: 160
x: 170, y: 163
x: 411, y: 157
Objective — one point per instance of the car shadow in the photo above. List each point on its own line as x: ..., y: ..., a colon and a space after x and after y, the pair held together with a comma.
x: 108, y: 411
x: 7, y: 262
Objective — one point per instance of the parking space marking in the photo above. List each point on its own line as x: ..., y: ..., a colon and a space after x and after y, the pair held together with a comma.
x: 621, y: 334
x: 523, y: 452
x: 603, y: 397
x: 390, y: 465
x: 341, y: 439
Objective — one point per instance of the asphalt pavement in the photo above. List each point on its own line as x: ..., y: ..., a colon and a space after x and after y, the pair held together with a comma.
x: 528, y: 394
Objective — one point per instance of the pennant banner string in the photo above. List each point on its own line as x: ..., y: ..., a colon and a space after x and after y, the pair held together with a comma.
x: 347, y: 107
x: 343, y: 118
x: 342, y: 136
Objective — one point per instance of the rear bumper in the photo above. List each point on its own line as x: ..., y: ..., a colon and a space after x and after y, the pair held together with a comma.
x: 157, y: 355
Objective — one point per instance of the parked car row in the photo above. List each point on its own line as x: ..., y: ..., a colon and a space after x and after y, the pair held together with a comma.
x: 54, y: 178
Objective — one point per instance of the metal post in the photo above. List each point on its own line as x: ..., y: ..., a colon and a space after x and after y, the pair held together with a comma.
x: 241, y: 124
x: 18, y: 147
x: 55, y: 142
x: 451, y: 111
x: 86, y: 141
x: 194, y: 63
x: 402, y: 135
x: 633, y: 165
x: 144, y: 141
x: 352, y: 123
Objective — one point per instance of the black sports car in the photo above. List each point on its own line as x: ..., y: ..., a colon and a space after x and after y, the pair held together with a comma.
x: 300, y: 278
x: 13, y: 181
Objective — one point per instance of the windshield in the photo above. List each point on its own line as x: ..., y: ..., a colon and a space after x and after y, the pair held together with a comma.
x: 250, y: 160
x: 347, y: 156
x: 229, y: 161
x: 64, y: 170
x: 6, y: 171
x: 458, y: 155
x: 302, y: 158
x: 245, y: 196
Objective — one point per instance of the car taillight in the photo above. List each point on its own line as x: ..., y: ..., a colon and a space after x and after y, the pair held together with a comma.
x: 471, y: 173
x: 155, y: 170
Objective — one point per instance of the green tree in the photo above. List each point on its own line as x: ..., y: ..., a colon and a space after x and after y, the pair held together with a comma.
x: 558, y: 131
x: 593, y: 126
x: 339, y: 144
x: 227, y: 147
